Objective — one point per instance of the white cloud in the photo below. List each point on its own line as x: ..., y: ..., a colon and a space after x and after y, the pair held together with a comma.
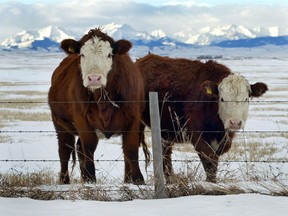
x: 79, y: 16
x: 187, y: 3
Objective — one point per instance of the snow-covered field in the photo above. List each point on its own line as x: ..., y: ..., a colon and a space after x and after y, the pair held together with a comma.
x: 27, y: 138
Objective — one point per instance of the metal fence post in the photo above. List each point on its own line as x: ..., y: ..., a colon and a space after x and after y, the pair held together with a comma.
x: 156, y: 146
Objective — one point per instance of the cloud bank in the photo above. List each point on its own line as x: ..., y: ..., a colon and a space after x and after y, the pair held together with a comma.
x: 79, y: 16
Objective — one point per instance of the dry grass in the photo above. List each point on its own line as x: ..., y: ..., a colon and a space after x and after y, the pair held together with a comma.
x: 12, y: 116
x: 23, y: 104
x: 24, y: 107
x: 246, y: 150
x: 5, y: 139
x: 183, y: 186
x: 43, y: 185
x: 19, y: 179
x: 251, y: 151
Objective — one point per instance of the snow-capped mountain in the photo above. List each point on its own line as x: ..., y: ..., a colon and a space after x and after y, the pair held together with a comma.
x: 273, y: 31
x: 158, y: 34
x: 117, y: 31
x: 47, y: 38
x: 208, y: 35
x: 141, y: 38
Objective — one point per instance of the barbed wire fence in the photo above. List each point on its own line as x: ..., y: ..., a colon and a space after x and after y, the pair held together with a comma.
x: 159, y: 163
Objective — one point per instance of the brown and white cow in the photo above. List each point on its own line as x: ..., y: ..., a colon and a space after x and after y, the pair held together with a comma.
x: 203, y: 102
x: 93, y: 89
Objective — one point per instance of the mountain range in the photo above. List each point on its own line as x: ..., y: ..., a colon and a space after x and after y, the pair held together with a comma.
x: 48, y: 38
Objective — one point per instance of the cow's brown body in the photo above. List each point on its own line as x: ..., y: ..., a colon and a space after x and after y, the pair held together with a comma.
x: 186, y: 111
x: 77, y: 111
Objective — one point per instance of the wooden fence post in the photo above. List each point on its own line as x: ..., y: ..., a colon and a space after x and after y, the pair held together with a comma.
x: 156, y: 146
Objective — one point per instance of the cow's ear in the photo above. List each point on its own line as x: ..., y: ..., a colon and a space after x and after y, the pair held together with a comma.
x: 70, y: 46
x: 258, y: 89
x: 209, y: 88
x: 121, y: 47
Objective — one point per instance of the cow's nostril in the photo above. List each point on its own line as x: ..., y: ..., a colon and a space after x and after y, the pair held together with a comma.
x: 94, y: 79
x: 235, y: 124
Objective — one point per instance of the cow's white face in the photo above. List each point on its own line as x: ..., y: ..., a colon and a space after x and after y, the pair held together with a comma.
x: 234, y: 92
x: 95, y: 62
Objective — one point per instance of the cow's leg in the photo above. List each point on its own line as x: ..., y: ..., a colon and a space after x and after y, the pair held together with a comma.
x: 208, y: 158
x: 210, y: 166
x: 81, y: 156
x: 127, y: 171
x: 130, y: 150
x: 88, y: 144
x: 88, y: 141
x: 167, y: 161
x: 66, y: 143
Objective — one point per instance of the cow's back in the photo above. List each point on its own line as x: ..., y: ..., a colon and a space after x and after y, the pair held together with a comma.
x: 163, y: 74
x: 178, y: 76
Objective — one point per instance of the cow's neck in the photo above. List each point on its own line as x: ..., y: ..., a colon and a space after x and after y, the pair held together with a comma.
x: 101, y: 95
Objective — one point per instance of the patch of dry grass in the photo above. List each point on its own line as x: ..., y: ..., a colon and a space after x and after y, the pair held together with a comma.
x: 26, y: 106
x: 11, y: 115
x: 257, y: 147
x: 19, y: 179
x: 22, y: 104
x: 43, y: 186
x: 5, y: 139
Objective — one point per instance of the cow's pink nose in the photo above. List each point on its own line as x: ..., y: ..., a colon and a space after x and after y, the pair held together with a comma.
x: 235, y: 124
x: 94, y: 79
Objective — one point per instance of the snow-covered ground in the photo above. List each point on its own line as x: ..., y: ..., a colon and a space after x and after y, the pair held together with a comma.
x: 236, y: 205
x: 27, y: 77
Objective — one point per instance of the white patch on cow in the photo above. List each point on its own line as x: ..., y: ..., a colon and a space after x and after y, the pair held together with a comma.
x: 234, y: 93
x: 95, y: 63
x: 215, y: 145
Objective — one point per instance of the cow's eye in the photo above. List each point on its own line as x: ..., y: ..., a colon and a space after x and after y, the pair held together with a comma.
x: 109, y: 55
x: 82, y: 55
x: 222, y: 100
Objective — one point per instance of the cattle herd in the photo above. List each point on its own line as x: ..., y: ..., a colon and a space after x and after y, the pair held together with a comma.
x: 97, y: 87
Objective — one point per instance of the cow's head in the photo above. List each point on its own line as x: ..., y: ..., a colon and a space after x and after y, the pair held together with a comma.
x: 97, y: 51
x: 233, y: 94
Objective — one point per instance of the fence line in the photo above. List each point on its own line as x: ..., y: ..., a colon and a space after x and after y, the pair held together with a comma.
x: 141, y: 101
x: 241, y: 161
x: 166, y: 131
x: 118, y: 160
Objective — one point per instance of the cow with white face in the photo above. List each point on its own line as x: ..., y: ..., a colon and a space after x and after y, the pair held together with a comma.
x: 92, y: 90
x: 204, y: 103
x: 95, y: 62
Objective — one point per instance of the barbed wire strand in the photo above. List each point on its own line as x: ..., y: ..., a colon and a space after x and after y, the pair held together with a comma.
x: 142, y: 101
x: 146, y: 131
x: 121, y: 160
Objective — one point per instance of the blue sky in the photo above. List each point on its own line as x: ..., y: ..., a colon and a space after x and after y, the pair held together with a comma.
x: 171, y: 16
